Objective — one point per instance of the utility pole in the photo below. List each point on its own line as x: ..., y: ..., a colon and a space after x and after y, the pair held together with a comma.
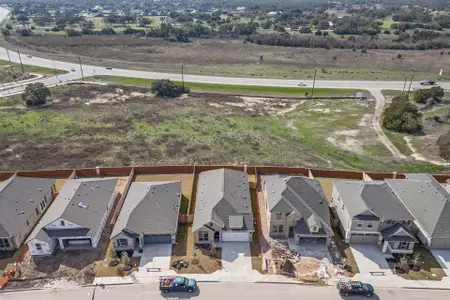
x: 182, y: 75
x: 404, y: 85
x: 81, y: 68
x: 314, y: 83
x: 54, y: 69
x: 12, y: 67
x: 410, y: 83
x: 20, y: 58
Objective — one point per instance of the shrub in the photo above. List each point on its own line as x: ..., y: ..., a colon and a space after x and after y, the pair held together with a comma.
x: 35, y: 94
x: 166, y: 88
x: 444, y: 145
x: 402, y: 116
x: 399, y: 56
x: 422, y: 95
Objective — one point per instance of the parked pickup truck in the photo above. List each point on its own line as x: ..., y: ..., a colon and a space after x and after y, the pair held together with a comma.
x: 169, y: 284
x: 348, y: 287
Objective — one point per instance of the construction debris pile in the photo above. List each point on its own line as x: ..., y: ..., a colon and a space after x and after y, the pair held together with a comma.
x: 284, y: 261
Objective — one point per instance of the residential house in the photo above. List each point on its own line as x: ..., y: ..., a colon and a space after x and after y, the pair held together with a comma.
x: 370, y: 212
x: 23, y: 201
x: 76, y: 218
x: 149, y: 215
x: 296, y: 208
x: 223, y: 211
x: 429, y: 203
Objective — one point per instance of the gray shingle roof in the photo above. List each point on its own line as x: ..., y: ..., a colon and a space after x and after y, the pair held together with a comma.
x: 427, y: 201
x: 19, y: 197
x: 220, y: 194
x: 150, y: 208
x: 397, y: 233
x: 377, y: 198
x: 303, y: 194
x: 80, y: 201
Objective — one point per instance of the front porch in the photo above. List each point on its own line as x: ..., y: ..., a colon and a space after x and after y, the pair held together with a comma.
x: 398, y: 247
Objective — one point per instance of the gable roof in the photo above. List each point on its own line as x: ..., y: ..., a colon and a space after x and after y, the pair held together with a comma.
x: 298, y: 193
x: 427, y: 201
x: 397, y: 233
x: 19, y: 197
x: 150, y: 208
x: 81, y: 201
x: 221, y: 193
x: 363, y: 198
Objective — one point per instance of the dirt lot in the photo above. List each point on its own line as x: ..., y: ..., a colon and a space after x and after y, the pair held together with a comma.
x: 114, y: 126
x: 234, y: 58
x: 200, y: 261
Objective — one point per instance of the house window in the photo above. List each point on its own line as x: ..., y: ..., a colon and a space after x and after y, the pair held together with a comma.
x: 274, y: 228
x: 359, y: 225
x: 4, y: 243
x: 279, y: 216
x: 37, y: 211
x: 122, y: 242
x: 62, y: 223
x: 28, y: 223
x: 403, y: 245
x: 203, y: 236
x: 38, y: 247
x: 280, y: 228
x: 370, y: 225
x: 45, y: 200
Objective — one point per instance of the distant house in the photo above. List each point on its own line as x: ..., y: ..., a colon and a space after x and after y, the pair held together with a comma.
x: 23, y: 200
x: 77, y: 217
x: 149, y: 215
x: 296, y: 208
x: 429, y: 203
x: 223, y: 210
x: 371, y: 213
x: 272, y: 13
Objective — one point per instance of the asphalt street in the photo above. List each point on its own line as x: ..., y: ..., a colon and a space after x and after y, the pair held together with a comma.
x: 219, y: 291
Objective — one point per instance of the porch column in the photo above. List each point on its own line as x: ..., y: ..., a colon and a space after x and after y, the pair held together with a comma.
x: 384, y: 249
x: 61, y: 243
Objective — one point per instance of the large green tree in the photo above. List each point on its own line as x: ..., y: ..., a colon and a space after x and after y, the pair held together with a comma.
x: 402, y: 116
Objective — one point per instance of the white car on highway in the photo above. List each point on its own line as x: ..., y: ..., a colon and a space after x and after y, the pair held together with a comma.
x: 301, y: 84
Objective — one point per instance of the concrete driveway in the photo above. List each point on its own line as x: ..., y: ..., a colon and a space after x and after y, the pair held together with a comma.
x: 443, y: 258
x: 155, y: 256
x: 370, y: 259
x: 236, y: 257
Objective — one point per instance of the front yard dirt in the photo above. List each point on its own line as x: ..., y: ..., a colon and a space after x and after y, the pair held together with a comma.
x: 199, y: 260
x: 429, y: 267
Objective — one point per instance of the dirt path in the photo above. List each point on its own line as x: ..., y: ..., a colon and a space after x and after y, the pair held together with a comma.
x: 381, y: 102
x: 420, y: 157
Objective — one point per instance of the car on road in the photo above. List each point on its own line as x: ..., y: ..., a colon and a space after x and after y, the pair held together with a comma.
x: 108, y: 68
x: 427, y: 82
x: 348, y: 287
x: 169, y: 284
x: 72, y: 70
x: 29, y: 56
x: 301, y: 84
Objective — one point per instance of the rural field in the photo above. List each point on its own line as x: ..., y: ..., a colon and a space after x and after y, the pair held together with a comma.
x: 235, y: 58
x: 422, y: 146
x: 119, y: 125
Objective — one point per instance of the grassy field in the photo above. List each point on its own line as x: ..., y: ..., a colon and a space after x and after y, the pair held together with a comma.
x: 7, y: 71
x: 130, y: 127
x: 235, y: 89
x: 387, y: 22
x: 212, y: 57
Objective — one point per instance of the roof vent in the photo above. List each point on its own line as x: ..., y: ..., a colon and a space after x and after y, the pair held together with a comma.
x: 98, y: 186
x: 40, y: 190
x: 92, y: 189
x: 31, y: 200
x: 285, y: 179
x: 78, y: 194
x: 22, y: 212
x: 178, y: 194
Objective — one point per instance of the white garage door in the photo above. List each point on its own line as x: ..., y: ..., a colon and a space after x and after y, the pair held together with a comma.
x: 235, y: 236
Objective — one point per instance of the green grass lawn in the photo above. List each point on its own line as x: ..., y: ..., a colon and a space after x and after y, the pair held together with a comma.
x: 398, y: 141
x: 7, y: 70
x: 236, y: 89
x: 387, y: 22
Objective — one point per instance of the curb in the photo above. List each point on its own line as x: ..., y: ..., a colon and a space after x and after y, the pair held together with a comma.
x: 426, y: 288
x: 21, y: 290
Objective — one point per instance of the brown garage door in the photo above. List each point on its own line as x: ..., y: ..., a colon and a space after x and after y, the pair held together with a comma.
x: 361, y: 238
